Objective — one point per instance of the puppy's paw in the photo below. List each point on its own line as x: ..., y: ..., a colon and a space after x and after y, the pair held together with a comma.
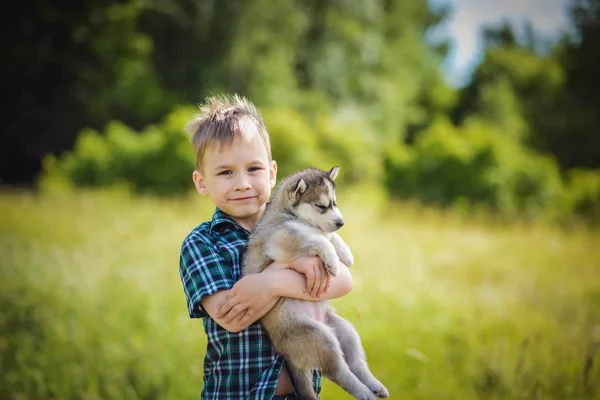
x: 331, y: 265
x: 343, y: 251
x: 346, y: 258
x: 381, y: 392
x: 366, y: 395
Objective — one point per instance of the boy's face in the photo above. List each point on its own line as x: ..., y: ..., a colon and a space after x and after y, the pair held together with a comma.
x: 238, y: 178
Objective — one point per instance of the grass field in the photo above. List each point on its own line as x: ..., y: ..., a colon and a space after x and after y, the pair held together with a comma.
x: 91, y: 305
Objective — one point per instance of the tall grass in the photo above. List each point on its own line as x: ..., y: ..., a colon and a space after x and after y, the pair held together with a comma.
x: 447, y: 307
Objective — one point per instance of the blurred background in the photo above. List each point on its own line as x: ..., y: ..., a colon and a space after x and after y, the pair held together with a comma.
x: 468, y: 134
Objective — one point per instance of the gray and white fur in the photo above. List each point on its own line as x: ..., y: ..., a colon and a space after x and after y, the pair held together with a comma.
x: 301, y: 220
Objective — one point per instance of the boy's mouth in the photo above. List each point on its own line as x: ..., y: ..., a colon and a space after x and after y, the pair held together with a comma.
x: 244, y: 198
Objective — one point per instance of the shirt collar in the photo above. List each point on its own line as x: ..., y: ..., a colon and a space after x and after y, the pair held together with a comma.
x: 222, y: 222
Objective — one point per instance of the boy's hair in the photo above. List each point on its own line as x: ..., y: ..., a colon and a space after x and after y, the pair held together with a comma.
x: 221, y: 119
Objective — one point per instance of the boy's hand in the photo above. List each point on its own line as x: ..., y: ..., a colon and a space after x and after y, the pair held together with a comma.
x: 318, y: 280
x: 246, y: 299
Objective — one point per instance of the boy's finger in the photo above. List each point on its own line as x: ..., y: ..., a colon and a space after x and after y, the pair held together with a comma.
x: 328, y: 286
x: 317, y: 284
x: 310, y: 280
x: 244, y: 320
x: 233, y: 313
x: 322, y: 285
x: 225, y: 307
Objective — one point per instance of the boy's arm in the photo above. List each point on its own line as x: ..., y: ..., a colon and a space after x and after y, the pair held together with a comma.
x: 311, y: 281
x: 254, y: 295
x: 208, y: 283
x: 207, y: 278
x: 233, y: 321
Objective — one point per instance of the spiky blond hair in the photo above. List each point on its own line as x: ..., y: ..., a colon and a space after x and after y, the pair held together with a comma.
x: 221, y: 119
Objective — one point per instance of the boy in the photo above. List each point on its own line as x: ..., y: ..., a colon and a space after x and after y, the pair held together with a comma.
x: 234, y: 167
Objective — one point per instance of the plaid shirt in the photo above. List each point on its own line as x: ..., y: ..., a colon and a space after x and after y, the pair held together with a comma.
x: 240, y: 365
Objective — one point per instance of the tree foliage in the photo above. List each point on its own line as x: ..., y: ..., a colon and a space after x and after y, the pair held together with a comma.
x: 348, y: 82
x: 554, y: 90
x: 476, y: 164
x: 69, y: 65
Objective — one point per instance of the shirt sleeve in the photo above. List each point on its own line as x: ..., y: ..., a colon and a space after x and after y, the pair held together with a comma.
x: 203, y: 272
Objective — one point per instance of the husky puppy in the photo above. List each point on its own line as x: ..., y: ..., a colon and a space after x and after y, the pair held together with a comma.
x: 301, y: 220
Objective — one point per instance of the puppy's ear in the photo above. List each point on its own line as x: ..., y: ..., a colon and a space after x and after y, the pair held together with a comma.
x: 334, y: 172
x: 299, y: 188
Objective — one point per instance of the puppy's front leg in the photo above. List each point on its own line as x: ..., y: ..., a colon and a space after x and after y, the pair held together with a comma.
x: 342, y: 249
x: 319, y: 246
x: 286, y: 245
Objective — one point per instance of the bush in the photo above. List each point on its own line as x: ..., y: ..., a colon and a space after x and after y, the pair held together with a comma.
x: 582, y: 194
x: 475, y: 164
x: 352, y: 146
x: 322, y: 142
x: 158, y: 160
x: 294, y: 143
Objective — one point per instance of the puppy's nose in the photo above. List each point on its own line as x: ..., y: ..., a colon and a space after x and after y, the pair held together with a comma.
x: 339, y: 223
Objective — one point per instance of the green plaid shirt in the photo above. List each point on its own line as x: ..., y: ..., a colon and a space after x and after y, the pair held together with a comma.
x: 240, y: 365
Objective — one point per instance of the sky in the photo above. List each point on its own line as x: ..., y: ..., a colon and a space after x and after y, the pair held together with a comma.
x: 548, y: 17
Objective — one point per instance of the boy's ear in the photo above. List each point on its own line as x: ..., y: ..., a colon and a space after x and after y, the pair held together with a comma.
x: 199, y: 183
x: 273, y: 174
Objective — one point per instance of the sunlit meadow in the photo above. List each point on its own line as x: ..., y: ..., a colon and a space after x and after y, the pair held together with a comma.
x: 448, y: 306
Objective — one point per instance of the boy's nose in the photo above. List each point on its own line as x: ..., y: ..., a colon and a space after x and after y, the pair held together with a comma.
x: 242, y: 183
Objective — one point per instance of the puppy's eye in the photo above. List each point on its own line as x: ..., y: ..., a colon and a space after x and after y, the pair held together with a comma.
x: 320, y: 207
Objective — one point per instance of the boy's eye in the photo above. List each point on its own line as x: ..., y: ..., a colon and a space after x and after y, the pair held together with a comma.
x: 226, y: 172
x: 252, y: 169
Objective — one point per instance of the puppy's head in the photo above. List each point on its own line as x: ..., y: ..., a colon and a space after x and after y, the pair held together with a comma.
x: 311, y: 197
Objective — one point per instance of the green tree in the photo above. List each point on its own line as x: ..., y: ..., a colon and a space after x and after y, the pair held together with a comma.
x: 554, y: 88
x: 69, y: 65
x: 514, y: 87
x: 576, y: 139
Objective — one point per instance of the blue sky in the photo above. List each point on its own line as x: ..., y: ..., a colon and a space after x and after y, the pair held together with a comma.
x: 549, y: 17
